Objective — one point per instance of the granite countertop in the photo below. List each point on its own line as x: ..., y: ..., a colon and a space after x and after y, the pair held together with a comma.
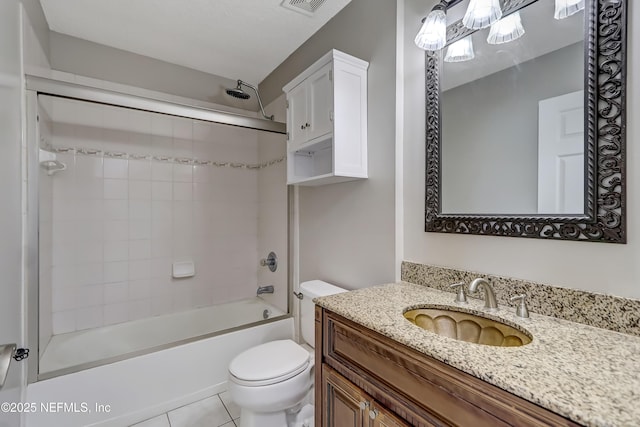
x: 589, y: 375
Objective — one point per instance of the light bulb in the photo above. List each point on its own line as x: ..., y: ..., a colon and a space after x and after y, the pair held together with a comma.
x: 566, y: 8
x: 505, y: 30
x: 481, y: 14
x: 460, y: 51
x: 433, y: 33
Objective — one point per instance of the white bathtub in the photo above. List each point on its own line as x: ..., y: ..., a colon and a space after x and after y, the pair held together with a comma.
x: 89, y: 346
x: 140, y: 387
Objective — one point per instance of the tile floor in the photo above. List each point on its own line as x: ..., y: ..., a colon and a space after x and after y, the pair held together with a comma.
x: 214, y: 411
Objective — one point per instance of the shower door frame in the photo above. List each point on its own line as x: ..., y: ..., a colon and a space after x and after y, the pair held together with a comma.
x: 42, y: 86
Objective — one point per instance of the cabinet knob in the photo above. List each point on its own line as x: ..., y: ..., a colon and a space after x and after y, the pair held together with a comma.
x: 301, y: 127
x: 373, y: 414
x: 364, y: 405
x: 307, y: 125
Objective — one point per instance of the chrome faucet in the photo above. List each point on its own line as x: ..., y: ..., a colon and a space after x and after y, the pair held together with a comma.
x: 265, y: 290
x: 490, y: 302
x: 461, y: 297
x: 521, y: 310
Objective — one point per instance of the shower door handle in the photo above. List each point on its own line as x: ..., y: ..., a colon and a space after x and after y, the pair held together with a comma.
x: 6, y: 354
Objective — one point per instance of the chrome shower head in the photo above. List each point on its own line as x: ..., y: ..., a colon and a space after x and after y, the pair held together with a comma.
x: 237, y: 92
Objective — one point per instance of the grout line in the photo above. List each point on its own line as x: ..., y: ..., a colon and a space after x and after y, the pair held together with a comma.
x: 226, y: 409
x: 188, y: 404
x: 166, y: 414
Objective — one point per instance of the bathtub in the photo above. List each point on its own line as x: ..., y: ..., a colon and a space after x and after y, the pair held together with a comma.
x: 94, y: 346
x: 140, y: 387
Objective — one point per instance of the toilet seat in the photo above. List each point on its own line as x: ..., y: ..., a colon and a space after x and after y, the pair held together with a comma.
x: 269, y: 363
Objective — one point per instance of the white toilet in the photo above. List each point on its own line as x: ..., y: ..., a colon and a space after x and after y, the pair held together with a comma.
x: 269, y: 382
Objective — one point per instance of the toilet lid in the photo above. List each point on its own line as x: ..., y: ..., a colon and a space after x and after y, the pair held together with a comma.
x: 269, y: 363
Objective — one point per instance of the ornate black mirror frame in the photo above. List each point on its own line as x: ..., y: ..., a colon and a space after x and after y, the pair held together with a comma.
x: 604, y: 219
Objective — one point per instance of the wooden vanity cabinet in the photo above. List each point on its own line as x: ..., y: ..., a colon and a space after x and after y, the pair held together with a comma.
x: 350, y: 406
x: 366, y: 379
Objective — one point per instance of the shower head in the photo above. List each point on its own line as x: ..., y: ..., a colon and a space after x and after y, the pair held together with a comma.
x: 237, y: 92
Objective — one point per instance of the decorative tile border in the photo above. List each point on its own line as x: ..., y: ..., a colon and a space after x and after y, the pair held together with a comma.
x: 598, y: 310
x: 165, y: 159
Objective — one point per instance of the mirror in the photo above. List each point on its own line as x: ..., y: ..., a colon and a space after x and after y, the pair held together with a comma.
x: 527, y: 138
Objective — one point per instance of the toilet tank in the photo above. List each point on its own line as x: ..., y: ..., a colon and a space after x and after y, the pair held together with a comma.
x: 310, y: 290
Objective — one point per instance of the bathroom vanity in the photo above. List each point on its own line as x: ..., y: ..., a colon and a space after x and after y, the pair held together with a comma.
x: 376, y: 368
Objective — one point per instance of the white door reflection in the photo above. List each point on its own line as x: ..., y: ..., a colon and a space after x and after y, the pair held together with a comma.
x: 561, y: 154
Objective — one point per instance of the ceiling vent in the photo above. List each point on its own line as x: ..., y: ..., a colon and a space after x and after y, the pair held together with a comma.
x: 306, y: 7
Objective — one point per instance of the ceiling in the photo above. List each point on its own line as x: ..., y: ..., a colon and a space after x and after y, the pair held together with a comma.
x: 237, y: 39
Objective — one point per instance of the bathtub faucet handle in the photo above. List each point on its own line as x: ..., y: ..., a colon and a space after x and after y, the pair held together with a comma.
x: 270, y: 261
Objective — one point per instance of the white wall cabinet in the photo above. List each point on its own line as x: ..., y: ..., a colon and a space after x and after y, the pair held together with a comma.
x: 327, y: 121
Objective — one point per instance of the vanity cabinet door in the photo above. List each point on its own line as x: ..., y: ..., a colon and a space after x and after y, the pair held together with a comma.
x: 345, y: 405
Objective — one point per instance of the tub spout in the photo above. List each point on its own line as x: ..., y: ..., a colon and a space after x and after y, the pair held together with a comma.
x: 264, y: 290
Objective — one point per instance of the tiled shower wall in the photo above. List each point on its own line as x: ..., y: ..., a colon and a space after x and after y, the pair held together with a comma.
x: 133, y: 201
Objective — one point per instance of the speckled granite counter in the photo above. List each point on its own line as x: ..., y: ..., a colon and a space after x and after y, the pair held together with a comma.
x: 589, y: 375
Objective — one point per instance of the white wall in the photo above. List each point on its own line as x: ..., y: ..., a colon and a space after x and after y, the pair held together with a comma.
x: 38, y: 28
x: 596, y: 267
x: 10, y: 194
x: 35, y: 46
x: 347, y: 230
x: 73, y: 55
x: 120, y: 220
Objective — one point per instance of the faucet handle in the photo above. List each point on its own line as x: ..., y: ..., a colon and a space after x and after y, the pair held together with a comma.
x: 521, y: 309
x: 461, y: 297
x: 270, y: 261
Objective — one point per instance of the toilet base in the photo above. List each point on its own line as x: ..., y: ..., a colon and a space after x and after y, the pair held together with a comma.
x: 263, y: 419
x: 297, y: 417
x: 304, y: 418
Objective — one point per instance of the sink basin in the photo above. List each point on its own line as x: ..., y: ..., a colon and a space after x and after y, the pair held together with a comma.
x: 467, y: 327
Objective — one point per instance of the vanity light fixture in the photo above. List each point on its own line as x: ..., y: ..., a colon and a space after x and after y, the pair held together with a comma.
x: 481, y: 14
x: 433, y: 33
x: 566, y: 8
x: 505, y: 30
x: 460, y: 51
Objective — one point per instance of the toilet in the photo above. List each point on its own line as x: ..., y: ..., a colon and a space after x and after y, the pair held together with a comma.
x: 269, y: 382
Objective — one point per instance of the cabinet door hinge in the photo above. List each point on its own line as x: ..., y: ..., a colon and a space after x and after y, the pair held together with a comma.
x: 331, y: 115
x: 330, y: 75
x: 287, y: 136
x: 287, y: 104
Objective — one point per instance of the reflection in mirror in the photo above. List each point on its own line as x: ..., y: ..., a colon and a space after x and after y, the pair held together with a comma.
x: 524, y: 154
x: 499, y: 116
